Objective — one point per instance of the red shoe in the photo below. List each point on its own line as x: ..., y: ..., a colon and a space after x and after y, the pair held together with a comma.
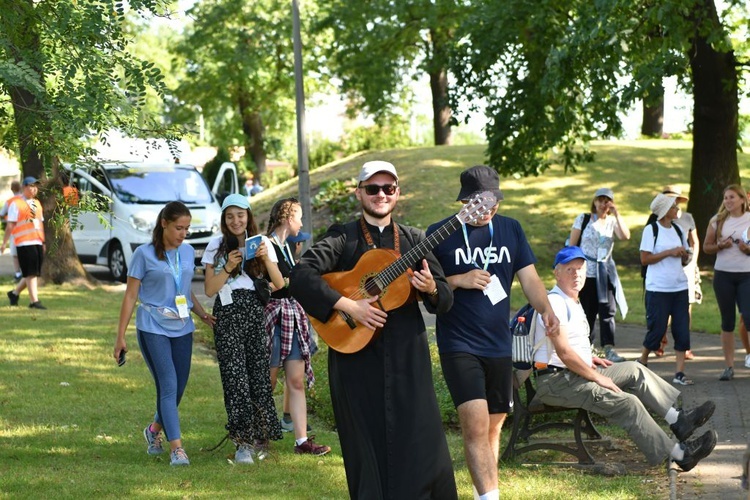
x: 310, y: 448
x: 660, y: 351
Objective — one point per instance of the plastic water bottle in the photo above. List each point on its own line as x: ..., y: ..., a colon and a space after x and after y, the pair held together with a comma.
x: 521, y: 345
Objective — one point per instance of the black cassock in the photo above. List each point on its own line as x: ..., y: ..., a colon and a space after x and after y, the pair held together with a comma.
x: 383, y: 398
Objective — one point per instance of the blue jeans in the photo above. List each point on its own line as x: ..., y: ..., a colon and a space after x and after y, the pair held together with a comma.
x: 168, y: 359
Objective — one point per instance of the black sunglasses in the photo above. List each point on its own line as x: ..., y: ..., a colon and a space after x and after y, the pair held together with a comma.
x: 373, y: 189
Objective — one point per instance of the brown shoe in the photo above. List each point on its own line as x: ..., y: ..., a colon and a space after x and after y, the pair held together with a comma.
x: 310, y: 448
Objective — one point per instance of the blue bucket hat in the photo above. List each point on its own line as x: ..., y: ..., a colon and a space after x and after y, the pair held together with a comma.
x: 567, y: 254
x: 235, y: 200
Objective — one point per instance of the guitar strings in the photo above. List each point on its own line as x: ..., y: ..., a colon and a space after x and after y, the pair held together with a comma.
x: 397, y: 268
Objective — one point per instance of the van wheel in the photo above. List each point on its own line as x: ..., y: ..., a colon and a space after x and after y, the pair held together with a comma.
x: 116, y: 262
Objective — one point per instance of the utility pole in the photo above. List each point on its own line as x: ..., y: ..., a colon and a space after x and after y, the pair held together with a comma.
x: 303, y: 163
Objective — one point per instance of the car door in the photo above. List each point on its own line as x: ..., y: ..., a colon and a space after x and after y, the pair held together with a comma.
x: 91, y: 228
x: 226, y: 182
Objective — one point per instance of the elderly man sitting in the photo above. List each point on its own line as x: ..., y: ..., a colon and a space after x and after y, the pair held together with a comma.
x: 569, y: 375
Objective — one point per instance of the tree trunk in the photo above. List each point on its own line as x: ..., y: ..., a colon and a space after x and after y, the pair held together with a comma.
x: 61, y: 264
x: 715, y: 127
x: 652, y: 124
x: 254, y: 131
x: 441, y: 111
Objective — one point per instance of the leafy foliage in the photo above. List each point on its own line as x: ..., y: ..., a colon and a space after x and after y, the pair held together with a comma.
x: 377, y: 44
x: 338, y: 197
x: 238, y: 61
x: 71, y: 60
x: 557, y: 74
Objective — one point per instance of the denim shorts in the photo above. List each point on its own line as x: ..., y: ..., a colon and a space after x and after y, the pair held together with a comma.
x: 294, y: 354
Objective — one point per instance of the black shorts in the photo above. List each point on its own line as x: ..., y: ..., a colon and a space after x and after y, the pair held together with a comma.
x: 472, y: 377
x: 30, y: 259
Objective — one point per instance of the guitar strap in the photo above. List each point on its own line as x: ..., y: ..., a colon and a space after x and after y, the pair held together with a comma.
x: 351, y: 241
x: 371, y: 243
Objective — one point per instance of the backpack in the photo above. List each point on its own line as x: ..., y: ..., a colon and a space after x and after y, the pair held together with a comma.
x: 523, y: 348
x: 655, y: 228
x: 584, y: 223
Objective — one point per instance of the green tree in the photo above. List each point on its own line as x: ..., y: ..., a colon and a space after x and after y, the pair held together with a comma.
x: 378, y: 43
x: 556, y: 74
x: 239, y: 71
x: 66, y: 76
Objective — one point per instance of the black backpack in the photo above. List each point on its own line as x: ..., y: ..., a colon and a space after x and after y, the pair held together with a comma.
x: 584, y: 223
x: 655, y: 228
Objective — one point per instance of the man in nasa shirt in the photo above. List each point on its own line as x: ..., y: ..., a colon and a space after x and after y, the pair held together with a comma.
x: 474, y: 338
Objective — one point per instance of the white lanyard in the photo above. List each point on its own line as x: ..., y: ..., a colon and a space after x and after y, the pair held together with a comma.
x: 285, y: 250
x: 468, y: 247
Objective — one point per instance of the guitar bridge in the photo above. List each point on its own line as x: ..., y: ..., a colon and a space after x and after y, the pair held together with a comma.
x: 349, y: 320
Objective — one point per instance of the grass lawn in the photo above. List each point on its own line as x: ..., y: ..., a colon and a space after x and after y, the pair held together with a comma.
x: 71, y: 420
x: 71, y: 423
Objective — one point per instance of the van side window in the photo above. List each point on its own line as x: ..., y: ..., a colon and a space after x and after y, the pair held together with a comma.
x: 91, y: 193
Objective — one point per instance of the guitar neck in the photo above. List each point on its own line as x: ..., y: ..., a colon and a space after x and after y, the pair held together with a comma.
x: 406, y: 261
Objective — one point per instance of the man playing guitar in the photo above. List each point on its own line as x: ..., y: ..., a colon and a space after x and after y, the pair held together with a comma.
x: 384, y: 402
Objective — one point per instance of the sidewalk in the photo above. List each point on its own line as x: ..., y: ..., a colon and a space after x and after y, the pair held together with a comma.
x: 717, y: 476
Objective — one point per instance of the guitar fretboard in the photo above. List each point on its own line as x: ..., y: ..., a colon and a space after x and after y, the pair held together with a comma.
x: 400, y: 265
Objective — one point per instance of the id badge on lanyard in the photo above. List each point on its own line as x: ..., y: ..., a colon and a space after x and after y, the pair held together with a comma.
x: 494, y: 291
x: 180, y: 300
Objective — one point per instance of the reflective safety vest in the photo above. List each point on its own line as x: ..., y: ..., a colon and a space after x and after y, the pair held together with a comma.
x: 7, y: 205
x: 28, y: 228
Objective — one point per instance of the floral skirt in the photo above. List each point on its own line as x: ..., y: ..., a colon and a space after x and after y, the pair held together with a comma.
x: 240, y: 338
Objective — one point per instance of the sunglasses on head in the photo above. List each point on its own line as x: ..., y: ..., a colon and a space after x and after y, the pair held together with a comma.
x: 373, y: 189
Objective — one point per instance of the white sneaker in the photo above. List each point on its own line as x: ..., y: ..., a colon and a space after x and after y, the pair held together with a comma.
x: 747, y: 361
x: 244, y: 454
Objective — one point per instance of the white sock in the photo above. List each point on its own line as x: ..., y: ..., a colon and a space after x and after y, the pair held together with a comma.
x: 672, y: 416
x: 476, y: 493
x: 299, y: 441
x: 491, y: 495
x: 678, y: 453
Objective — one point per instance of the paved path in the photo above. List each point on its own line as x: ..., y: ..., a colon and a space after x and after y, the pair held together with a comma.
x: 716, y: 477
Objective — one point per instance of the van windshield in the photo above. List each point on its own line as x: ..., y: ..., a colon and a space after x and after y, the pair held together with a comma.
x: 159, y: 185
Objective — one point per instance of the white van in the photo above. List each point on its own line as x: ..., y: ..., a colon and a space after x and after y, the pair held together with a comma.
x: 137, y: 192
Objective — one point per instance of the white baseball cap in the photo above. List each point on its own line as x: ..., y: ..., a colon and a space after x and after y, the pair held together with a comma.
x: 374, y: 167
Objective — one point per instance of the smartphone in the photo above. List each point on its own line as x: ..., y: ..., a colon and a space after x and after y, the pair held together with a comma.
x: 121, y: 360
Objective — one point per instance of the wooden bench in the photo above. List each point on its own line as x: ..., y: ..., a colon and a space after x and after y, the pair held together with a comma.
x: 524, y: 410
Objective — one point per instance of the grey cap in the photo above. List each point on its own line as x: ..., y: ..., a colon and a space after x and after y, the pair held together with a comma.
x: 605, y: 192
x: 375, y: 167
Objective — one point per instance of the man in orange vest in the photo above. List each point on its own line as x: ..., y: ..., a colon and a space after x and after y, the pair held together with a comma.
x: 15, y: 187
x: 25, y: 220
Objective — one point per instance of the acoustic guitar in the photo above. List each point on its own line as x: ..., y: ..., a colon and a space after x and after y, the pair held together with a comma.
x: 382, y: 272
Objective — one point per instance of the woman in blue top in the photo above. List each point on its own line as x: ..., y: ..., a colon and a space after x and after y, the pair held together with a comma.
x: 160, y: 275
x: 240, y: 334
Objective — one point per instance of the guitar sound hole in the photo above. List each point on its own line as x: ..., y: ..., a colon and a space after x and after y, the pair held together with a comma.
x: 371, y: 287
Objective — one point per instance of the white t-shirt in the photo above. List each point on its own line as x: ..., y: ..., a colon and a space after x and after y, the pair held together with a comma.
x: 667, y: 274
x: 571, y: 315
x: 731, y: 259
x: 242, y: 280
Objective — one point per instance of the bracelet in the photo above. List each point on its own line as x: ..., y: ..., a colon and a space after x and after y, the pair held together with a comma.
x: 434, y: 292
x: 224, y: 268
